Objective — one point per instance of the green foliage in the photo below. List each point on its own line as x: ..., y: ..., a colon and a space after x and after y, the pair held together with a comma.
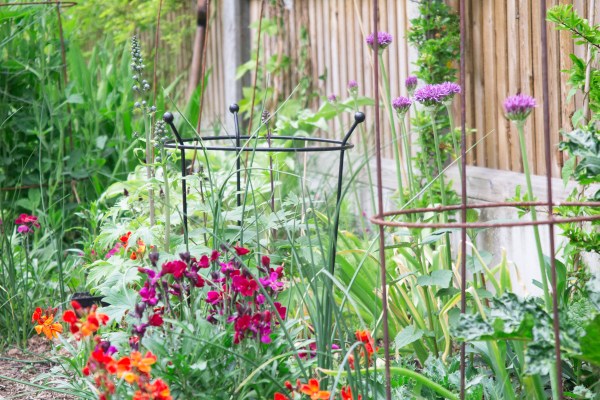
x: 436, y: 36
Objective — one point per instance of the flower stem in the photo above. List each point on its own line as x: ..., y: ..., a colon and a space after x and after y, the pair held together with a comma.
x: 536, y: 231
x: 405, y: 372
x: 396, y: 143
x: 440, y: 167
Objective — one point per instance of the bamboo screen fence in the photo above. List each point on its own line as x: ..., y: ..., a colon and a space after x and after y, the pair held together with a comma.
x: 503, y: 58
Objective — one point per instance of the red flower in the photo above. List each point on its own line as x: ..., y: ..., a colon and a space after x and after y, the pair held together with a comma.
x: 155, y: 320
x: 241, y: 251
x: 177, y: 268
x: 246, y: 287
x: 37, y: 314
x: 214, y: 256
x: 25, y: 219
x: 204, y: 262
x: 125, y: 238
x: 279, y: 396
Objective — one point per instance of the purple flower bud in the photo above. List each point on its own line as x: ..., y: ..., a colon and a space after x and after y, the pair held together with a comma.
x: 332, y: 98
x: 401, y: 105
x: 383, y: 40
x: 411, y: 83
x: 519, y: 107
x: 430, y: 95
x: 352, y: 84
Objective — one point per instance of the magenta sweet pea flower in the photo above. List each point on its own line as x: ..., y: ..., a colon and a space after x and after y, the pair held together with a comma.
x: 241, y: 251
x: 176, y: 268
x: 245, y: 287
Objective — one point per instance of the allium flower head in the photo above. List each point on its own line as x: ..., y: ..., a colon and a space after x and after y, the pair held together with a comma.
x: 401, y: 104
x: 430, y: 95
x: 332, y: 98
x: 411, y: 84
x: 434, y: 95
x: 451, y: 89
x: 519, y: 107
x: 353, y: 87
x: 384, y: 39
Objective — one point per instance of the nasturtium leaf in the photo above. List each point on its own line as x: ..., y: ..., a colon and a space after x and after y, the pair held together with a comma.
x: 590, y: 342
x: 439, y: 278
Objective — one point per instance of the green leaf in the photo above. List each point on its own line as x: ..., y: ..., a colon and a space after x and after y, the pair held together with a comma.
x: 439, y: 278
x: 407, y: 336
x: 122, y: 299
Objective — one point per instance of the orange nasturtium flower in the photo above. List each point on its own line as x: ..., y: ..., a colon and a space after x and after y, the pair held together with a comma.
x: 312, y: 389
x: 347, y: 394
x: 45, y: 323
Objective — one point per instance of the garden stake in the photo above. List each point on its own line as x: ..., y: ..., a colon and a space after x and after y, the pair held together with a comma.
x: 386, y: 336
x: 463, y: 191
x: 234, y: 109
x: 168, y: 118
x: 558, y: 387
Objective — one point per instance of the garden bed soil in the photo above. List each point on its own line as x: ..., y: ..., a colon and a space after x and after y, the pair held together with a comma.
x: 25, y: 366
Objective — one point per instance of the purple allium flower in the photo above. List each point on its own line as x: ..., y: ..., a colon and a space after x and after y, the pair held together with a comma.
x: 430, y: 95
x: 332, y: 98
x: 411, y: 83
x: 352, y: 84
x: 433, y: 95
x: 384, y: 39
x: 401, y: 104
x: 451, y: 89
x: 519, y: 107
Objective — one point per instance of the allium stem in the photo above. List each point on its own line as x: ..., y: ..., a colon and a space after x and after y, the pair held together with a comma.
x: 454, y: 142
x: 396, y: 142
x: 440, y: 167
x: 407, y: 155
x: 536, y: 231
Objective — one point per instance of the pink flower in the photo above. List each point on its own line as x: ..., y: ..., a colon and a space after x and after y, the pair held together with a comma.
x: 25, y: 219
x: 272, y: 282
x: 281, y: 310
x: 214, y: 256
x: 246, y: 287
x: 204, y: 262
x: 177, y: 268
x: 213, y: 297
x: 148, y: 294
x: 24, y: 229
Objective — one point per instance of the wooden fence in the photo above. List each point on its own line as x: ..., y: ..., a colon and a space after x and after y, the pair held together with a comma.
x: 503, y: 57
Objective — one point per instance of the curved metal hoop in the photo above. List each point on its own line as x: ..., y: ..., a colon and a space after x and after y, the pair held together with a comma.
x: 335, y: 145
x: 381, y: 219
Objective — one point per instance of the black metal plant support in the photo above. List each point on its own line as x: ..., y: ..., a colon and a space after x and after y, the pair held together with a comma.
x: 319, y: 145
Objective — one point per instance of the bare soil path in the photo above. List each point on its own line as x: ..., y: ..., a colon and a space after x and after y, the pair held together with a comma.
x: 25, y: 366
